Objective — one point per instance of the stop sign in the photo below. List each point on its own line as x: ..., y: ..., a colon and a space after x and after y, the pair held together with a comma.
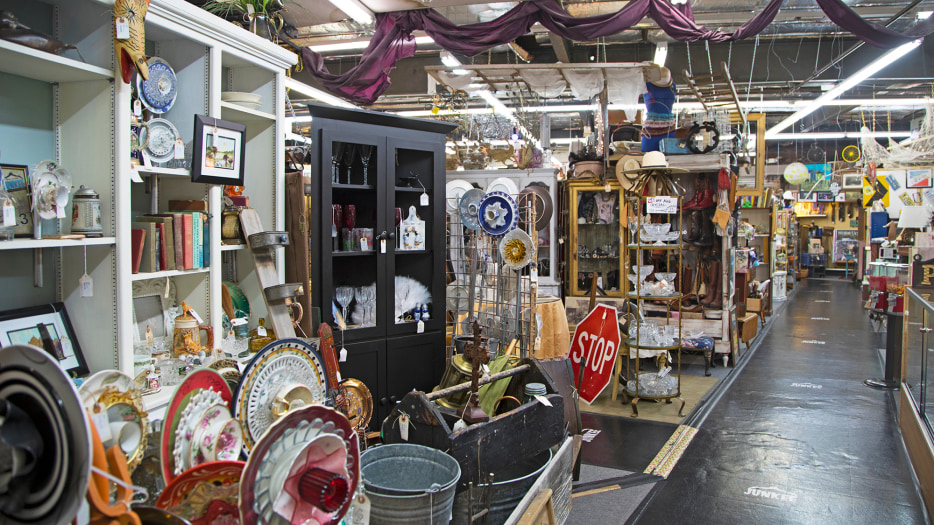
x: 595, y: 343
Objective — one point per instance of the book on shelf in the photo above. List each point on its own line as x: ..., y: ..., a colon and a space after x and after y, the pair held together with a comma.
x: 148, y: 259
x: 138, y: 238
x: 167, y: 259
x: 195, y: 228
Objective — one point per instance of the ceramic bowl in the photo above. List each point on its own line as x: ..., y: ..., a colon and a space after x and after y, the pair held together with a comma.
x: 671, y: 236
x: 205, y: 432
x: 228, y: 442
x: 643, y: 271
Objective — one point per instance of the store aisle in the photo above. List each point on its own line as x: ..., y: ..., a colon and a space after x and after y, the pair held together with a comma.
x: 796, y: 437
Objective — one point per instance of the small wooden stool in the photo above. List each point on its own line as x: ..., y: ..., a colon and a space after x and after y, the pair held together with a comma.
x: 748, y: 328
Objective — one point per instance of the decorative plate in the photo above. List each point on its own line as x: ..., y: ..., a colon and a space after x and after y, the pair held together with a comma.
x: 159, y: 136
x: 544, y: 207
x: 205, y: 494
x: 113, y: 392
x: 359, y: 403
x: 159, y: 92
x: 516, y: 249
x: 277, y: 367
x: 498, y: 213
x: 294, y: 430
x: 154, y: 516
x: 503, y: 184
x: 197, y: 380
x: 457, y: 297
x: 208, y: 418
x: 186, y: 425
x: 32, y: 381
x: 469, y: 208
x: 454, y: 190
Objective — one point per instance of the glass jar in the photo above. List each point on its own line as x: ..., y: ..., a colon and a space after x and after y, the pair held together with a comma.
x: 261, y: 336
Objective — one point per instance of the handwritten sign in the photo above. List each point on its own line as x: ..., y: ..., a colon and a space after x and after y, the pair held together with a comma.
x: 665, y: 205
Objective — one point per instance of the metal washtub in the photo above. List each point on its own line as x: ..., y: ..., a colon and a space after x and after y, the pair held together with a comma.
x: 510, y: 485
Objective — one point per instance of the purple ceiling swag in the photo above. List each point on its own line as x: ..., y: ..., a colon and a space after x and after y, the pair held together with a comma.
x: 393, y: 40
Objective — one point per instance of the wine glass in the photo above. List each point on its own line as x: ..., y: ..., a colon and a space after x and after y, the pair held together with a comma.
x: 398, y: 219
x: 337, y: 151
x: 344, y: 295
x: 366, y: 150
x: 336, y: 218
x: 349, y: 153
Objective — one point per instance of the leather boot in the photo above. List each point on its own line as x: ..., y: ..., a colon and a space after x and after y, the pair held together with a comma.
x: 706, y: 199
x: 714, y: 297
x: 712, y: 273
x: 687, y: 273
x: 706, y: 229
x: 699, y: 187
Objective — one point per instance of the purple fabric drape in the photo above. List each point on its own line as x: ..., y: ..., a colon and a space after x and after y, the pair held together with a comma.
x: 393, y: 40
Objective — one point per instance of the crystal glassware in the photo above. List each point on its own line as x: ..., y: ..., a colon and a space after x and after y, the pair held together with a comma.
x: 344, y: 295
x: 349, y: 155
x: 398, y: 219
x: 366, y: 151
x: 337, y: 216
x: 337, y: 152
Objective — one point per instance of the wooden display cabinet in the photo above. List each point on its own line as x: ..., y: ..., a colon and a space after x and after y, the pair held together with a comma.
x: 596, y: 236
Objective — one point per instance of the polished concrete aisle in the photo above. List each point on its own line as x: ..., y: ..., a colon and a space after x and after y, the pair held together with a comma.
x: 794, y: 436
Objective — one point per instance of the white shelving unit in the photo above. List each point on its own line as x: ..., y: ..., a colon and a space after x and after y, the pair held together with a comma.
x: 78, y: 112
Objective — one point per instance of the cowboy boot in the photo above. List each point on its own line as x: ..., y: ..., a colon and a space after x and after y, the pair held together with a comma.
x: 687, y: 273
x: 693, y: 227
x: 699, y: 188
x: 714, y: 297
x: 712, y: 275
x: 707, y: 236
x: 706, y: 199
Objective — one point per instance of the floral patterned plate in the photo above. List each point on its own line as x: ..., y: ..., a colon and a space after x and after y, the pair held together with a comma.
x: 205, y: 494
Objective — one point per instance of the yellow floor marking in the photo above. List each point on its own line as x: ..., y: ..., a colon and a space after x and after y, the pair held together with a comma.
x: 671, y: 451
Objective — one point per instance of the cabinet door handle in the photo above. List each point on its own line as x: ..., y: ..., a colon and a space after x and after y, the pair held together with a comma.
x: 384, y: 401
x: 392, y: 399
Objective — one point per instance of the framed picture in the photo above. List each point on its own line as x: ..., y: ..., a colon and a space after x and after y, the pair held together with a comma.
x: 218, y: 151
x: 807, y: 196
x: 577, y: 307
x: 46, y: 326
x: 734, y: 335
x: 852, y: 181
x: 824, y: 196
x: 845, y: 244
x: 919, y: 178
x: 16, y: 183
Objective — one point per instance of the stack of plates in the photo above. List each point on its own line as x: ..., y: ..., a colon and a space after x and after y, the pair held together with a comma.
x: 247, y: 100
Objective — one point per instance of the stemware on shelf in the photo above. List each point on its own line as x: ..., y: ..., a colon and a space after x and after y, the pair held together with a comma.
x: 337, y: 216
x: 349, y: 155
x: 366, y: 151
x: 337, y: 152
x: 350, y: 221
x: 398, y: 219
x: 344, y: 295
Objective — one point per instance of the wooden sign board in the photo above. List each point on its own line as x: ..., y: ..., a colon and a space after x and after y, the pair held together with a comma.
x: 922, y: 274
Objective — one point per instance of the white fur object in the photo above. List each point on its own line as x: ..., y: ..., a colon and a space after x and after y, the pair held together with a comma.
x: 409, y: 294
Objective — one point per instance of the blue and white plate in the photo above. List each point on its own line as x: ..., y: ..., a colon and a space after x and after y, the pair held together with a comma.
x: 469, y: 208
x: 498, y: 213
x: 159, y: 92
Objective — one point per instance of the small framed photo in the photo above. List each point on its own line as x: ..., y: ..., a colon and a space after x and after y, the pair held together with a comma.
x: 824, y: 196
x: 16, y: 183
x: 807, y: 196
x: 46, y: 326
x: 852, y: 181
x: 919, y: 178
x: 218, y: 151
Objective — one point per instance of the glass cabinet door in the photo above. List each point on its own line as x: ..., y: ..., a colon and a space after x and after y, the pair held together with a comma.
x: 353, y: 217
x: 414, y: 218
x: 595, y: 238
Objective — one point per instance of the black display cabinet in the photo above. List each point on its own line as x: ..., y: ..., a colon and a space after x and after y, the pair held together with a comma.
x: 370, y: 161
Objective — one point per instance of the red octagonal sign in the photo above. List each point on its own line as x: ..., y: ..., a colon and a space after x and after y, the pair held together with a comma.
x: 596, y: 340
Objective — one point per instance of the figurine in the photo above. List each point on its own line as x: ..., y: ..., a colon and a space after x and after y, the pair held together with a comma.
x: 413, y: 237
x: 11, y: 29
x: 131, y: 51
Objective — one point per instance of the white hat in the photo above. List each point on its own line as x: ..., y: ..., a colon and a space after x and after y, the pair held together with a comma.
x: 655, y: 160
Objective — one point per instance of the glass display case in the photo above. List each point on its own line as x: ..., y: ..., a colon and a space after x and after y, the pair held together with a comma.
x: 596, y: 235
x: 917, y: 362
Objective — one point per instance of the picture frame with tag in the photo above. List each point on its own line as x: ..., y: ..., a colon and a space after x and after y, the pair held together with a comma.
x: 45, y: 326
x: 15, y: 179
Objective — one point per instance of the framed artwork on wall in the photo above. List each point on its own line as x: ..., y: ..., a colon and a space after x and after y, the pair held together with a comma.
x: 15, y: 179
x: 218, y: 152
x: 46, y: 326
x: 920, y: 178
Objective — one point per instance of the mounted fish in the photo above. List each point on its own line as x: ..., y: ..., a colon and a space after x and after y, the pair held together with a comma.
x: 11, y: 29
x: 130, y: 37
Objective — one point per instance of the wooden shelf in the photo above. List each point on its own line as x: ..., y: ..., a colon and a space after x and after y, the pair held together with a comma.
x: 232, y: 247
x: 413, y: 190
x: 806, y: 216
x: 23, y: 244
x: 231, y: 111
x: 358, y: 253
x: 353, y: 187
x: 39, y: 65
x: 412, y: 252
x: 167, y: 273
x: 172, y: 172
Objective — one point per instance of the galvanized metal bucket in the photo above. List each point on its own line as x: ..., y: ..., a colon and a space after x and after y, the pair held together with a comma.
x: 409, y: 484
x: 510, y: 485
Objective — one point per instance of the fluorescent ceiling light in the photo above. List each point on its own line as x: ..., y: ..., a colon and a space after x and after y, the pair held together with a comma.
x: 817, y: 135
x: 317, y: 94
x: 874, y: 67
x: 924, y: 15
x: 661, y: 53
x: 356, y: 10
x: 449, y: 60
x: 359, y: 44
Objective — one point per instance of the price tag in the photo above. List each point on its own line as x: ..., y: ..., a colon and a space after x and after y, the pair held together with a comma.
x: 364, y: 245
x: 134, y: 173
x: 87, y: 285
x: 361, y: 510
x: 343, y: 357
x: 382, y: 246
x: 460, y: 425
x: 544, y: 400
x: 149, y: 336
x: 102, y: 423
x: 143, y: 156
x: 123, y: 28
x: 665, y: 205
x: 423, y: 200
x: 404, y: 427
x: 420, y: 327
x: 260, y: 330
x: 198, y: 317
x: 239, y: 321
x: 9, y: 213
x: 179, y: 149
x: 137, y: 108
x: 533, y: 275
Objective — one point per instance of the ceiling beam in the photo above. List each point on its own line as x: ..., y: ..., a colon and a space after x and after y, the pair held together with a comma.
x: 560, y: 46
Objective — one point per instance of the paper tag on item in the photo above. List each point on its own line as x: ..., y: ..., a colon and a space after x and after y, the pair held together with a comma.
x: 544, y: 400
x: 196, y: 316
x: 423, y: 200
x: 123, y: 28
x: 404, y: 427
x: 533, y: 275
x: 364, y: 245
x: 179, y: 149
x: 238, y: 321
x: 361, y: 510
x: 261, y: 331
x: 9, y: 213
x: 134, y: 174
x: 382, y: 246
x: 343, y: 356
x: 102, y: 423
x: 420, y: 327
x: 460, y: 425
x: 137, y: 108
x: 87, y: 285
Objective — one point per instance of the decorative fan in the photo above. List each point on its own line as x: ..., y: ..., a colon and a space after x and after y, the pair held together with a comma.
x: 445, y: 98
x: 816, y: 155
x: 850, y: 153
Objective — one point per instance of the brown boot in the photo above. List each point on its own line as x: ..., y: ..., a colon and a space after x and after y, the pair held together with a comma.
x: 714, y: 297
x: 687, y: 273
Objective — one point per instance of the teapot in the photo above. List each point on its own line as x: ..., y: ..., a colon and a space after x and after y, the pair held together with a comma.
x: 187, y: 336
